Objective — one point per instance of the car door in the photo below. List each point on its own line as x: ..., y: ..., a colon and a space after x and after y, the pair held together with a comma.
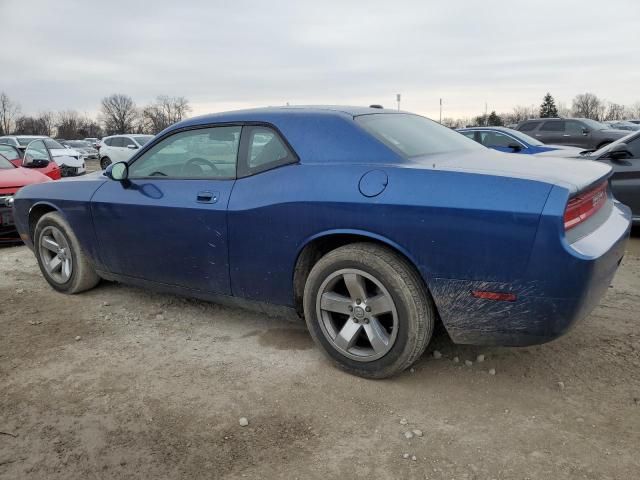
x: 551, y: 132
x: 625, y: 181
x: 167, y: 222
x: 576, y: 134
x: 116, y: 150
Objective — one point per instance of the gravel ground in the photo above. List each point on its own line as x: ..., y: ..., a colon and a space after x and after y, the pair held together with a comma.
x: 124, y: 383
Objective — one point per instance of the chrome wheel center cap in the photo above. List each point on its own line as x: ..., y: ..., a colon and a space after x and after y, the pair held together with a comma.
x: 358, y: 312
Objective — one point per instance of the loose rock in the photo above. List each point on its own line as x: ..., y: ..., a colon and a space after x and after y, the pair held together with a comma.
x: 159, y: 317
x: 243, y: 422
x: 408, y: 435
x: 437, y: 354
x: 468, y: 363
x: 78, y: 338
x: 456, y: 359
x: 19, y: 290
x: 403, y: 421
x: 414, y: 458
x: 492, y: 371
x: 405, y: 455
x: 417, y: 433
x: 480, y: 358
x: 561, y: 385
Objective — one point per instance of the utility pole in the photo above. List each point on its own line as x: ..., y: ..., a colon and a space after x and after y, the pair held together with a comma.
x: 440, y: 111
x: 398, y: 100
x: 486, y: 119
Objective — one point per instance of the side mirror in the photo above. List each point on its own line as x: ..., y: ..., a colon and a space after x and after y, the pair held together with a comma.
x: 515, y: 147
x: 117, y: 171
x: 620, y: 152
x: 132, y: 146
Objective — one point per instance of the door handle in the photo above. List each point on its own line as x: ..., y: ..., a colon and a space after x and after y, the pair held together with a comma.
x: 566, y: 135
x: 208, y: 197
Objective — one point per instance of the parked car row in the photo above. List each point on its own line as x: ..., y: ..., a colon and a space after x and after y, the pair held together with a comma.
x: 38, y: 147
x: 120, y: 148
x: 622, y: 155
x: 387, y: 223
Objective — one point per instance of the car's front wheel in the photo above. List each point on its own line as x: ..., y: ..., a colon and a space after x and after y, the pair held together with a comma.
x: 368, y: 310
x: 105, y: 162
x: 62, y: 262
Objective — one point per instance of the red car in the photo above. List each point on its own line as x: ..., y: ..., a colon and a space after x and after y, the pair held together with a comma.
x: 12, y: 179
x: 15, y: 156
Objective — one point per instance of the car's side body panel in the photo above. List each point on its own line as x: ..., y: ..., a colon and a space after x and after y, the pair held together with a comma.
x: 470, y: 235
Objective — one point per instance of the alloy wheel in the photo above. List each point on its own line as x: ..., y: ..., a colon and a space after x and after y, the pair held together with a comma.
x: 357, y: 315
x: 56, y: 254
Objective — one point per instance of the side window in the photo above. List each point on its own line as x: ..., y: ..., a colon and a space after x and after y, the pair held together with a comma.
x: 264, y: 150
x: 109, y: 142
x: 553, y: 126
x: 36, y: 151
x: 9, y: 152
x: 203, y: 153
x: 117, y: 142
x: 528, y: 126
x: 471, y: 135
x: 573, y: 128
x: 495, y: 139
x: 126, y: 141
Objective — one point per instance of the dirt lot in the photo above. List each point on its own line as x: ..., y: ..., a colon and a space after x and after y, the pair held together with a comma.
x: 156, y: 384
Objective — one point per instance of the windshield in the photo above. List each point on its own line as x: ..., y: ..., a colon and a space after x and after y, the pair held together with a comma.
x: 524, y: 137
x: 413, y: 135
x: 595, y: 125
x: 5, y: 164
x: 52, y: 144
x: 142, y: 139
x: 24, y: 141
x: 78, y: 143
x: 9, y: 152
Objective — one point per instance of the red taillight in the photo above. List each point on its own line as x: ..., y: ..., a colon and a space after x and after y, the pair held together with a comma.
x: 584, y: 205
x: 497, y: 296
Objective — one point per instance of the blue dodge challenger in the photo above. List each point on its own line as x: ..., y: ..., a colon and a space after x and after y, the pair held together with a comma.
x: 371, y: 224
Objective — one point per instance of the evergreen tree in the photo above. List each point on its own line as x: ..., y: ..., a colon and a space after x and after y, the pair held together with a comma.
x: 548, y: 108
x: 495, y: 120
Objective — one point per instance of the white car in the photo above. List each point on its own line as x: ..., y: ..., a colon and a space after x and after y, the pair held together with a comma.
x: 120, y: 148
x: 20, y: 141
x: 70, y: 161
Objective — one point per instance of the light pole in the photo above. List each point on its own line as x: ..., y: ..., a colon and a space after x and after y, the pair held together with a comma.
x: 398, y: 100
x: 440, y: 111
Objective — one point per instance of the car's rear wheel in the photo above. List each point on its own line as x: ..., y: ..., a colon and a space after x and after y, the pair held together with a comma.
x: 368, y: 310
x: 61, y: 260
x: 105, y: 162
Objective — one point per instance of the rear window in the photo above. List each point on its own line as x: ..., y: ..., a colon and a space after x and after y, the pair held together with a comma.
x: 528, y: 126
x: 413, y: 135
x: 52, y: 144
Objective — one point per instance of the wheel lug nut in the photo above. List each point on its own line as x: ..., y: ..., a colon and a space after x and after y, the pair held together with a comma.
x: 350, y: 308
x: 368, y: 309
x: 355, y: 320
x: 366, y: 321
x: 358, y: 301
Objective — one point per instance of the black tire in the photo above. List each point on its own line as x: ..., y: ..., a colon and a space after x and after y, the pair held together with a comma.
x: 413, y: 305
x: 105, y: 162
x: 83, y: 276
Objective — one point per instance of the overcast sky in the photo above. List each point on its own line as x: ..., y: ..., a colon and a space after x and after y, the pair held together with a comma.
x: 67, y: 54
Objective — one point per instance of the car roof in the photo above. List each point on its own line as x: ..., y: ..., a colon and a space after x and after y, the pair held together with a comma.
x: 500, y: 129
x: 256, y: 114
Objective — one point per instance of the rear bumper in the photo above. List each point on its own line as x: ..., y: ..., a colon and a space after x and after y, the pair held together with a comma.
x: 564, y: 283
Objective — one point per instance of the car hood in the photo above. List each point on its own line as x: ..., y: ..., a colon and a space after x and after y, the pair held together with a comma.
x: 19, y: 177
x: 66, y: 156
x: 561, y: 151
x: 572, y: 174
x: 614, y: 132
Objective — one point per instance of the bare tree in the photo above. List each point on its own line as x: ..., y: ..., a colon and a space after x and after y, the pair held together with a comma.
x: 613, y: 111
x: 633, y: 111
x: 587, y: 105
x: 27, y: 125
x: 519, y: 114
x: 163, y: 112
x: 68, y: 124
x: 563, y: 110
x: 9, y: 111
x: 118, y: 113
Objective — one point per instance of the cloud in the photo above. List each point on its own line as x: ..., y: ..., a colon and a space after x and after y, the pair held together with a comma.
x: 223, y: 54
